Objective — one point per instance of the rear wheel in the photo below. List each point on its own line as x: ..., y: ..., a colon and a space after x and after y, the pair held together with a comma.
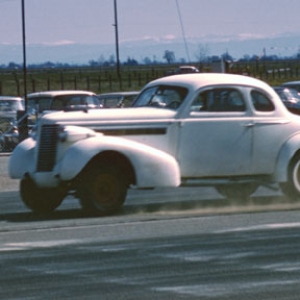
x: 237, y: 191
x: 40, y: 200
x: 291, y: 188
x: 102, y: 189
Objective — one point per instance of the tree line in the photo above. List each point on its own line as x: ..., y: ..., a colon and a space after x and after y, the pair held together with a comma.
x: 202, y: 56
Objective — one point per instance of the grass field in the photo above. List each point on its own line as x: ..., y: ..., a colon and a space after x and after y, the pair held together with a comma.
x: 101, y: 80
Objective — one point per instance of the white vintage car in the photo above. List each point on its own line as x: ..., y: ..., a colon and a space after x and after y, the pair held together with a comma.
x: 227, y: 131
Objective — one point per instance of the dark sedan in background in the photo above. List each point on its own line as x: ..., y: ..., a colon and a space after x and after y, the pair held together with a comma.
x: 293, y: 85
x: 290, y: 98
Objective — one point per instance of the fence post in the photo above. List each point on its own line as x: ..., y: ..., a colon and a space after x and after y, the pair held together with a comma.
x: 120, y: 82
x: 48, y: 84
x: 1, y: 88
x: 88, y: 83
x: 75, y: 82
x: 99, y: 83
x: 33, y: 85
x: 110, y: 82
x: 62, y: 80
x: 129, y: 80
x: 18, y: 87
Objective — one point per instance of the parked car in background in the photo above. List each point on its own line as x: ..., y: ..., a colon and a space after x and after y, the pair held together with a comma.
x: 289, y: 97
x: 293, y: 85
x: 9, y: 106
x: 186, y: 70
x: 68, y: 100
x: 183, y: 70
x: 117, y: 99
x: 230, y: 132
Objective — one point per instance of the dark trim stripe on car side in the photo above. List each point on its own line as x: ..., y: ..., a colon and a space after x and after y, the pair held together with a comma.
x: 133, y: 131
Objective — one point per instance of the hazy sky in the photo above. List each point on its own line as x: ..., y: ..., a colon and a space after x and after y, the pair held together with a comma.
x: 91, y: 21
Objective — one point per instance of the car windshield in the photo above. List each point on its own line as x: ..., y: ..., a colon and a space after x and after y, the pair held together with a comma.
x: 10, y: 105
x: 292, y: 94
x: 170, y: 97
x: 74, y: 102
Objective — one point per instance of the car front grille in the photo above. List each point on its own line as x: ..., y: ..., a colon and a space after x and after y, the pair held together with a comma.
x: 47, y: 148
x: 5, y: 124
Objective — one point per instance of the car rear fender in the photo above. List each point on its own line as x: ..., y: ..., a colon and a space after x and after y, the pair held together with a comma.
x: 152, y: 167
x: 287, y: 152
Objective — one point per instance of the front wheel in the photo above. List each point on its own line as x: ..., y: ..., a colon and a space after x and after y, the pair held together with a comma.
x: 40, y: 200
x: 291, y: 188
x: 102, y: 189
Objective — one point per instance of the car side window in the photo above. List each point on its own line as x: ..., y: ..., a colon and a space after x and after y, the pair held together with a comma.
x: 145, y: 97
x: 261, y: 102
x: 162, y: 96
x: 57, y: 103
x: 219, y: 100
x: 39, y: 103
x: 91, y: 100
x: 65, y: 102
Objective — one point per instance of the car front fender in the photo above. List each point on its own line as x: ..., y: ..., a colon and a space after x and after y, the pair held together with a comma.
x: 153, y: 168
x: 287, y: 152
x: 21, y: 160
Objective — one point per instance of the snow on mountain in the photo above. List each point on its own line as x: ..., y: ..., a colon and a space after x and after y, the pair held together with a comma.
x: 285, y: 45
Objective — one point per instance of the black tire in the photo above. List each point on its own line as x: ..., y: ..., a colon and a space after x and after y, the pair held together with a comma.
x: 40, y: 200
x: 291, y: 188
x: 237, y: 191
x: 102, y: 189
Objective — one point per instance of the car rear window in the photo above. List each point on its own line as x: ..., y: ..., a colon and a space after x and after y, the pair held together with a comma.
x: 219, y: 100
x: 261, y: 102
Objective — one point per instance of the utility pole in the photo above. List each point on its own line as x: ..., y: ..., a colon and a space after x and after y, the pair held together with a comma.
x: 182, y: 30
x: 22, y: 115
x: 24, y: 54
x: 117, y: 38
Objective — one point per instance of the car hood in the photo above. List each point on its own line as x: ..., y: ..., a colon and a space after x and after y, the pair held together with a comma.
x: 118, y: 115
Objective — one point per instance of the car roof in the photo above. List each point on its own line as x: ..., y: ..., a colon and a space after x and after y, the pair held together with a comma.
x: 197, y: 80
x: 10, y: 98
x: 127, y: 93
x: 296, y: 82
x: 187, y: 67
x: 61, y: 93
x: 283, y: 88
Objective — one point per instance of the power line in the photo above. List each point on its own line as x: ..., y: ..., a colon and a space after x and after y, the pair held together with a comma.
x: 182, y: 30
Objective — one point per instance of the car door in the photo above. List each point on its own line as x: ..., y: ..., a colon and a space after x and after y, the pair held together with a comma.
x: 216, y: 137
x: 270, y: 131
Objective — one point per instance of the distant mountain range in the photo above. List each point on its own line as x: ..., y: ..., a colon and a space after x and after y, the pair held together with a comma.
x: 285, y: 45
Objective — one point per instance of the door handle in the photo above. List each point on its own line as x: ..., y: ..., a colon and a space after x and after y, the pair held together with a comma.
x: 248, y: 125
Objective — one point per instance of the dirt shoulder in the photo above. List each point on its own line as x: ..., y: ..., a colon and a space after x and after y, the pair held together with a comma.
x: 6, y: 183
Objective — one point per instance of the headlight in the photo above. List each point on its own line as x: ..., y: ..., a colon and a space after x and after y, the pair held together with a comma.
x: 73, y: 134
